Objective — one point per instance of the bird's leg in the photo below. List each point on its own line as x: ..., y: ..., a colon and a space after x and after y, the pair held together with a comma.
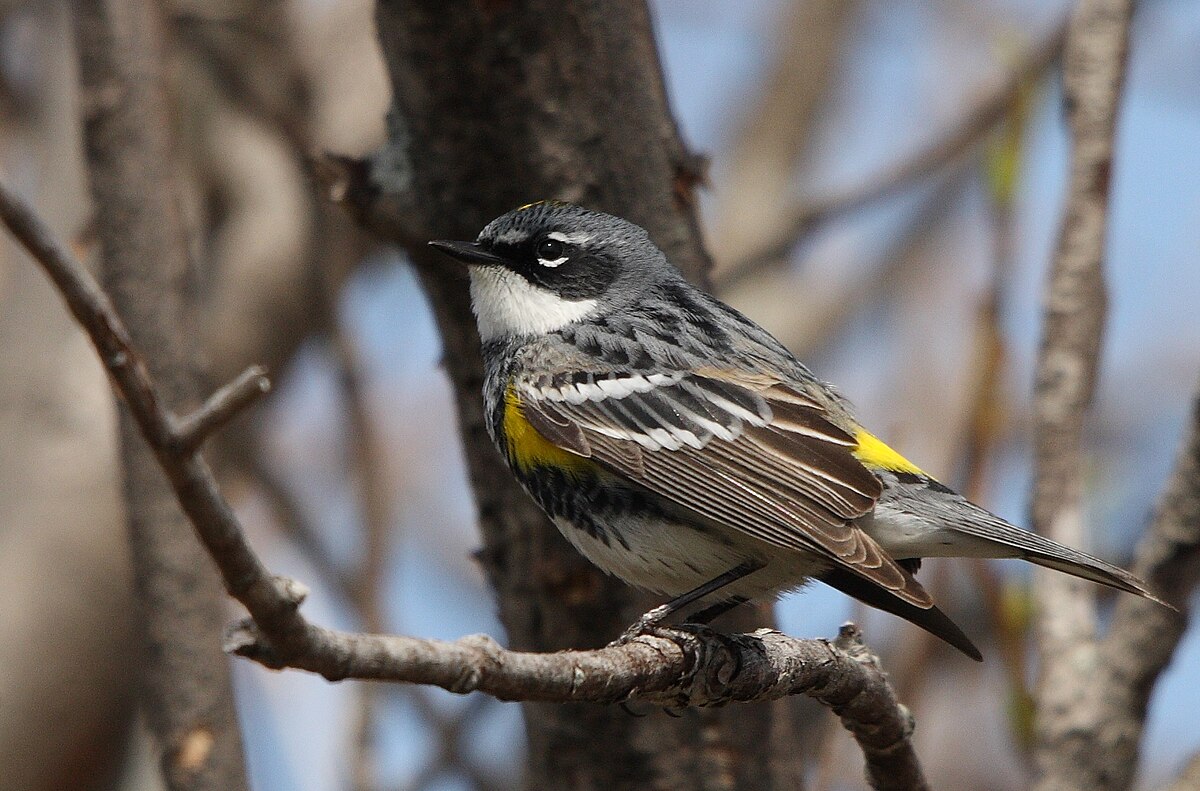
x: 655, y: 617
x: 716, y: 610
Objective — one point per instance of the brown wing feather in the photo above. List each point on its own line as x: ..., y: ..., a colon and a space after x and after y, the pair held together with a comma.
x: 792, y: 483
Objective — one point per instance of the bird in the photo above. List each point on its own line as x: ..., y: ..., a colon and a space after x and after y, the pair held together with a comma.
x: 683, y: 449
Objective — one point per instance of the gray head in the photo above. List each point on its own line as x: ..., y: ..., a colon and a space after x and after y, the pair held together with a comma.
x: 546, y: 265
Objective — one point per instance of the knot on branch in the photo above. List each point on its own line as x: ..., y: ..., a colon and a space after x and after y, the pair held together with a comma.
x: 290, y: 591
x: 375, y: 191
x: 850, y: 642
x: 488, y: 658
x: 243, y: 638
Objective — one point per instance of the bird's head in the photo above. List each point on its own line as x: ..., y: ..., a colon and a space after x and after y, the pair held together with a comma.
x: 544, y: 266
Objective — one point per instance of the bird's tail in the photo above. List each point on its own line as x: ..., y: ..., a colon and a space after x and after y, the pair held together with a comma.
x: 931, y: 620
x: 1084, y: 566
x: 1045, y: 552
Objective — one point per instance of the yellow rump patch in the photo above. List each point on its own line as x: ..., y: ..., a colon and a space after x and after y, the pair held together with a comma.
x: 872, y: 452
x: 527, y: 448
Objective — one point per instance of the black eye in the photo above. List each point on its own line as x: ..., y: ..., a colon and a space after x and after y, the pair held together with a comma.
x: 550, y: 250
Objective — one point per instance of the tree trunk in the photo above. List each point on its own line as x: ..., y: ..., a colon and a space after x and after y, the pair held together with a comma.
x: 186, y: 692
x: 497, y: 104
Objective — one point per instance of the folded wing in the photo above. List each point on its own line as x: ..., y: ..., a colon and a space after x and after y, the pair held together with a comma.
x: 748, y: 452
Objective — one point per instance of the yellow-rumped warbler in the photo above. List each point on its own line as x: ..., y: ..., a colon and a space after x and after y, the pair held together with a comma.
x: 683, y: 449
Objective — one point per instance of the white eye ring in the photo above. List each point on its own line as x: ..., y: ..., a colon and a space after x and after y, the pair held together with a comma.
x: 551, y: 251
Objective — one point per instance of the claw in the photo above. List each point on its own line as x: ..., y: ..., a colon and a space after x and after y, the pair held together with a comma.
x: 647, y: 624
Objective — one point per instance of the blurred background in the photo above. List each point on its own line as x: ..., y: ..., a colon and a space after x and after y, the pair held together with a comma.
x: 884, y: 188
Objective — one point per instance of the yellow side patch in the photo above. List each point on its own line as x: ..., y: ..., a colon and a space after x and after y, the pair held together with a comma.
x: 526, y: 447
x: 872, y: 452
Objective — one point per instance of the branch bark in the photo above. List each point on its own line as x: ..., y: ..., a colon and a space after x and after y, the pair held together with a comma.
x: 678, y: 667
x: 1068, y: 362
x: 186, y: 689
x: 1100, y: 751
x: 1143, y: 635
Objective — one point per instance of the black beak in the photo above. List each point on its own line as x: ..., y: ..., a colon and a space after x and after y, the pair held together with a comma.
x: 467, y: 252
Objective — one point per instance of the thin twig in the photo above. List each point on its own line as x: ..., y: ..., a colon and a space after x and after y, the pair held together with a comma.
x: 676, y: 668
x: 829, y: 306
x: 947, y: 147
x: 778, y: 129
x: 220, y: 408
x: 88, y: 303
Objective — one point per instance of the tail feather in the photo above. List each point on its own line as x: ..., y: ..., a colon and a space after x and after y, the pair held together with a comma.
x: 931, y: 620
x: 1087, y: 567
x: 1049, y: 553
x: 956, y: 527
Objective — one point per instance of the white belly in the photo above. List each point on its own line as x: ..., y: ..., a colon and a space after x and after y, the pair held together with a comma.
x: 672, y: 558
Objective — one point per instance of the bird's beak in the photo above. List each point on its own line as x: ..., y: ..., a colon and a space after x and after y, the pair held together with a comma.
x: 467, y: 252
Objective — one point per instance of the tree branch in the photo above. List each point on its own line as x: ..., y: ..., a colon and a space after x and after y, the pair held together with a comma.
x: 1101, y: 749
x: 271, y: 601
x: 1067, y: 367
x: 220, y: 408
x: 678, y: 667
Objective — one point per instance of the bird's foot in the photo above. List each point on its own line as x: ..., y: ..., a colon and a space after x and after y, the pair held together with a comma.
x: 649, y: 623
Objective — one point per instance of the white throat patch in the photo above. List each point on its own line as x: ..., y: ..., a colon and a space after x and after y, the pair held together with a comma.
x: 507, y: 304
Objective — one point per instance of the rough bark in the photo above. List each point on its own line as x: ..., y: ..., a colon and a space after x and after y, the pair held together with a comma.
x: 1143, y: 636
x: 1068, y: 363
x: 186, y: 692
x: 496, y: 105
x: 1103, y: 729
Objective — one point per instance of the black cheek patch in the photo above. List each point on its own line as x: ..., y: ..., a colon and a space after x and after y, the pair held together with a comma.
x: 586, y: 278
